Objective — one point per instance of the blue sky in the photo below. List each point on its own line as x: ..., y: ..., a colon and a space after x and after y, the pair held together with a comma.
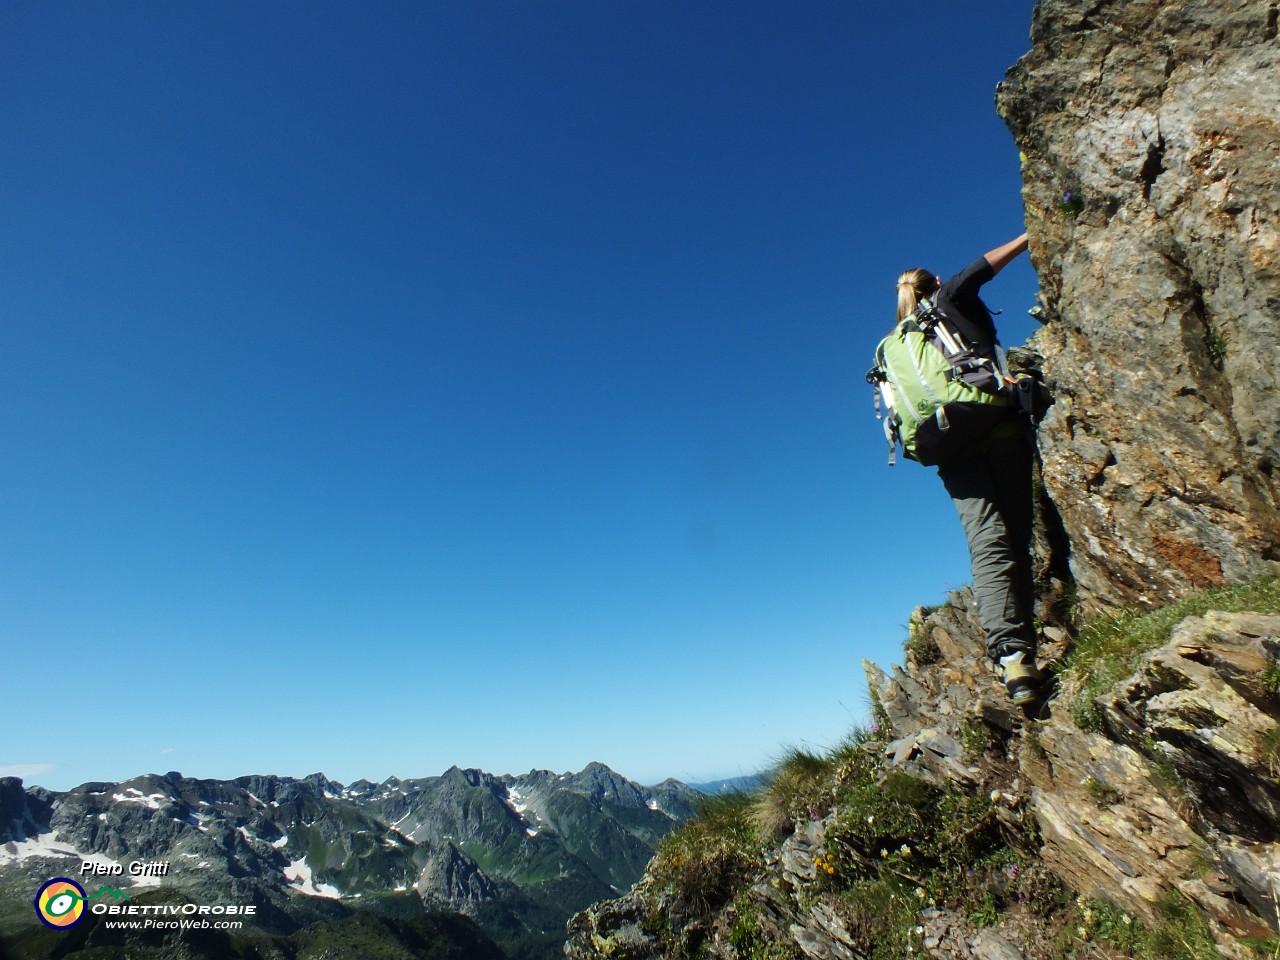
x: 388, y: 386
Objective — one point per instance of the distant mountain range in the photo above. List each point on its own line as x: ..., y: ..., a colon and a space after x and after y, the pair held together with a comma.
x: 395, y: 861
x: 732, y: 785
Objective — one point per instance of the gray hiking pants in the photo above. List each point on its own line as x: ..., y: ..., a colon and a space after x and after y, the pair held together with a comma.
x: 992, y: 492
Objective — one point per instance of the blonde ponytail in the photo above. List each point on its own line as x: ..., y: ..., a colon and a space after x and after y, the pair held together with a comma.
x: 914, y: 286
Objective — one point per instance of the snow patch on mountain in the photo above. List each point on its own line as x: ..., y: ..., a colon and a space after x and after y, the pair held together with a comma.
x: 134, y: 795
x: 515, y: 800
x: 298, y: 873
x: 45, y: 845
x: 522, y: 805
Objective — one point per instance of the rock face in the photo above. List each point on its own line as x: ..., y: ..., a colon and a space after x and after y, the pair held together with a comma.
x: 1150, y: 134
x: 1175, y: 793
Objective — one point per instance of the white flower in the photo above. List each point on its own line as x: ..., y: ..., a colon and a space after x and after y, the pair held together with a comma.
x: 871, y: 819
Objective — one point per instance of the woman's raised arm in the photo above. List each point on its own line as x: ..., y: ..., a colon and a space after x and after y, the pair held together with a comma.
x: 1000, y: 256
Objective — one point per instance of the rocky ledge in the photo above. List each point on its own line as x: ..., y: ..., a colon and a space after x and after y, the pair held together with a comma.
x: 1170, y: 786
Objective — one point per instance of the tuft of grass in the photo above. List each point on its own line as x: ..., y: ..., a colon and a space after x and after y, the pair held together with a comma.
x: 804, y: 784
x: 1101, y: 794
x: 1216, y: 345
x: 921, y: 646
x: 1180, y: 932
x: 880, y: 726
x: 1108, y: 650
x: 987, y: 912
x: 976, y: 736
x: 749, y: 940
x: 1271, y: 677
x: 1269, y: 750
x: 1031, y: 737
x: 899, y: 845
x: 1269, y: 947
x: 705, y: 862
x: 794, y: 792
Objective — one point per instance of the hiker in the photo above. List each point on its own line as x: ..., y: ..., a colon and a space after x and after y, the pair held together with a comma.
x: 989, y: 477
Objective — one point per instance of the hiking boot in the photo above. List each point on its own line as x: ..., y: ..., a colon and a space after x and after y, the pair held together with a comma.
x: 1021, y: 679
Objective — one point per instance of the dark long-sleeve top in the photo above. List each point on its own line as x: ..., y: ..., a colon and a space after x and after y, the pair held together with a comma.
x: 959, y: 302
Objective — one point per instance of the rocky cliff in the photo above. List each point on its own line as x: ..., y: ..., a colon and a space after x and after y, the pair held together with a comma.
x: 1150, y: 137
x: 1161, y: 786
x: 1137, y: 813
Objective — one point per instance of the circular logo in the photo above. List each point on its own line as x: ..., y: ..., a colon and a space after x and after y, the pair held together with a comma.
x: 60, y: 903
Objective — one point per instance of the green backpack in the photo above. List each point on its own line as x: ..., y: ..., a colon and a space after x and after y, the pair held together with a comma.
x: 940, y: 395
